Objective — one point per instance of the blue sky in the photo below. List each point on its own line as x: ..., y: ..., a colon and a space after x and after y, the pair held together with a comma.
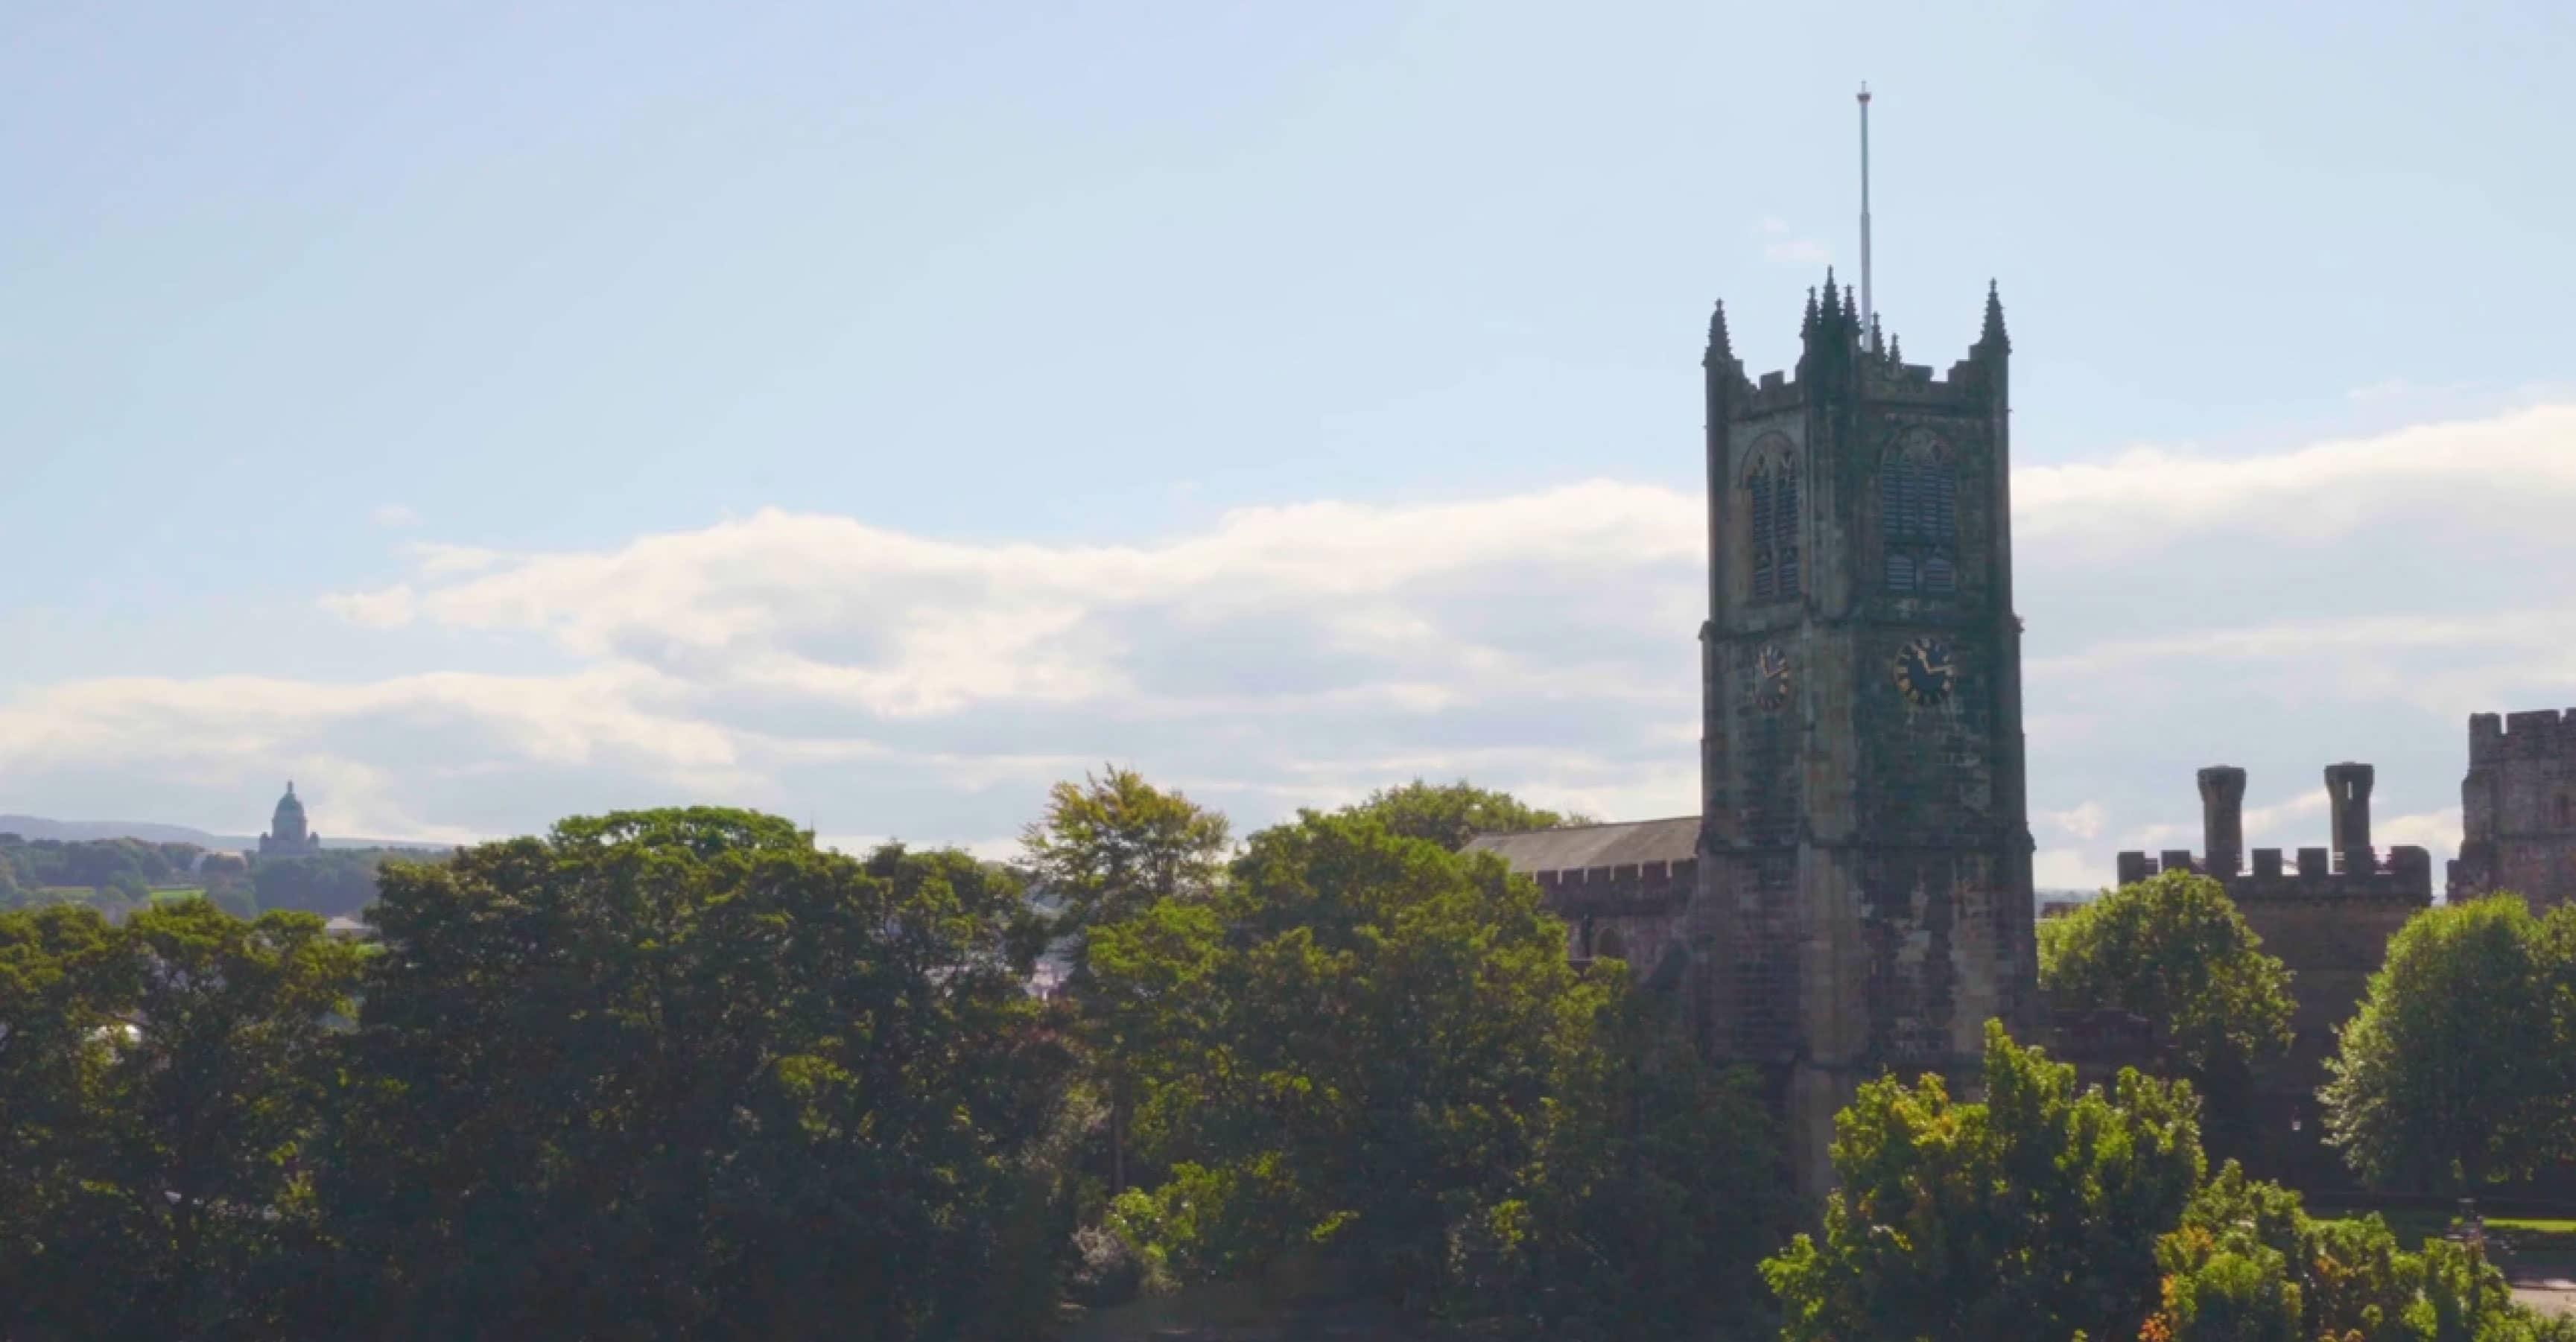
x: 485, y: 412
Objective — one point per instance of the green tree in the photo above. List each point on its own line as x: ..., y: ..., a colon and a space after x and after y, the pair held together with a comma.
x: 199, y: 1085
x: 2031, y: 1215
x: 332, y: 883
x: 1449, y: 814
x: 1651, y: 1200
x: 1106, y: 849
x: 1113, y: 844
x: 2247, y: 1264
x: 2457, y: 1072
x: 1367, y: 1045
x: 680, y: 1074
x: 56, y: 1011
x: 2174, y: 950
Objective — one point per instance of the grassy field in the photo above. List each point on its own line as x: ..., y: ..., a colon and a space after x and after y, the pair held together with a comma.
x: 2414, y: 1225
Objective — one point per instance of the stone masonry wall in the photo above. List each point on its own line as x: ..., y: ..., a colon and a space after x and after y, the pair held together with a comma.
x: 1631, y: 912
x: 2518, y: 808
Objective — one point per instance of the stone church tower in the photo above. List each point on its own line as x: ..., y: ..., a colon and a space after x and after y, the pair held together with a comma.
x: 1854, y: 895
x: 1863, y: 899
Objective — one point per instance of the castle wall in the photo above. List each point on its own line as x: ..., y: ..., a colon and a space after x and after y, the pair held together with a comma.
x: 2518, y: 808
x: 2327, y: 914
x: 2330, y: 928
x: 1631, y: 911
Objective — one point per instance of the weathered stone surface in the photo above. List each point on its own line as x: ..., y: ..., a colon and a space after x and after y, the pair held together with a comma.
x: 1864, y: 899
x: 2518, y: 808
x: 1858, y: 894
x: 1621, y: 888
x: 2328, y: 919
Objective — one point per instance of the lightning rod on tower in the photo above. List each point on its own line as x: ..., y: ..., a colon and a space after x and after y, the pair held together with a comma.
x: 1868, y: 315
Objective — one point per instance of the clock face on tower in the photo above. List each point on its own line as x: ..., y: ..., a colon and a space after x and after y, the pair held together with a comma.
x: 1925, y: 671
x: 1771, y: 678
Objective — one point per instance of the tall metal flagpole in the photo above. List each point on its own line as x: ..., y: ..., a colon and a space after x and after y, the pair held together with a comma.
x: 1868, y: 314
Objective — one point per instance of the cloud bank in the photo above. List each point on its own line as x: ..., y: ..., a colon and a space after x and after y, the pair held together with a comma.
x: 2350, y: 599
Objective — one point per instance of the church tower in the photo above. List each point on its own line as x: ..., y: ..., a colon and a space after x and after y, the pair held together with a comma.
x: 1864, y: 888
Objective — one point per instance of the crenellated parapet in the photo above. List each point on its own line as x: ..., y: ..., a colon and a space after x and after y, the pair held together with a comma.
x: 1628, y: 889
x: 2326, y: 911
x: 2350, y: 870
x: 1836, y: 350
x: 2401, y: 875
x: 2518, y: 807
x: 2543, y: 733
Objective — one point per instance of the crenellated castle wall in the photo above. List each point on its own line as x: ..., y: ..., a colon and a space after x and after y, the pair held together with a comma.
x: 2518, y: 808
x: 2328, y: 914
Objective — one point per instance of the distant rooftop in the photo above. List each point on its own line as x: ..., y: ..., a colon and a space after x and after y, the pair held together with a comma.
x: 1577, y: 847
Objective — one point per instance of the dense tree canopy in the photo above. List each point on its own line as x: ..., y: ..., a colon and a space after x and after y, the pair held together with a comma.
x: 2460, y: 1067
x: 681, y: 1074
x: 2248, y: 1264
x: 2174, y: 950
x: 1449, y: 814
x: 2047, y: 1212
x: 2030, y: 1215
x: 162, y: 1085
x: 130, y: 868
x: 1113, y: 843
x: 334, y: 882
x: 1368, y: 1044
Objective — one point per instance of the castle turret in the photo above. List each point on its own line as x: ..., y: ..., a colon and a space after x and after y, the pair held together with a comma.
x: 2222, y: 819
x: 2348, y: 804
x: 2518, y: 808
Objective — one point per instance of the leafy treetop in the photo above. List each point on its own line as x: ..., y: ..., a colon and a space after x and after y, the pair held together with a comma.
x: 1449, y: 814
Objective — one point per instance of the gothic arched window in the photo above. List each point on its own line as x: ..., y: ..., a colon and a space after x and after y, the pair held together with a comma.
x: 1771, y: 484
x: 1918, y: 516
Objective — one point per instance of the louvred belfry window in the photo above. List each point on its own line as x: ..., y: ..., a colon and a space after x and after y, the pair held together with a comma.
x: 1766, y: 570
x: 1773, y: 489
x: 1918, y: 510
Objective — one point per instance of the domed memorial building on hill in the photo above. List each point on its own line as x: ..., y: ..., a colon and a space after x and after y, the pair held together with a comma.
x: 287, y: 836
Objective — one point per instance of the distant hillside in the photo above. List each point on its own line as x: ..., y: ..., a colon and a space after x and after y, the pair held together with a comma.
x: 38, y: 827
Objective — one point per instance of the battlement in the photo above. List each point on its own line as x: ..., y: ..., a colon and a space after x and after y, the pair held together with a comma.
x: 2403, y: 875
x: 2350, y: 870
x: 2543, y: 733
x: 1964, y: 385
x: 1629, y: 887
x: 1838, y: 352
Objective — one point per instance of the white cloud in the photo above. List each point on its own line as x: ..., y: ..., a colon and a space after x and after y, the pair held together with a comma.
x: 386, y: 608
x: 2342, y: 600
x: 2435, y: 830
x: 2081, y: 822
x: 2066, y: 869
x: 2514, y: 471
x: 394, y: 515
x: 1782, y: 246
